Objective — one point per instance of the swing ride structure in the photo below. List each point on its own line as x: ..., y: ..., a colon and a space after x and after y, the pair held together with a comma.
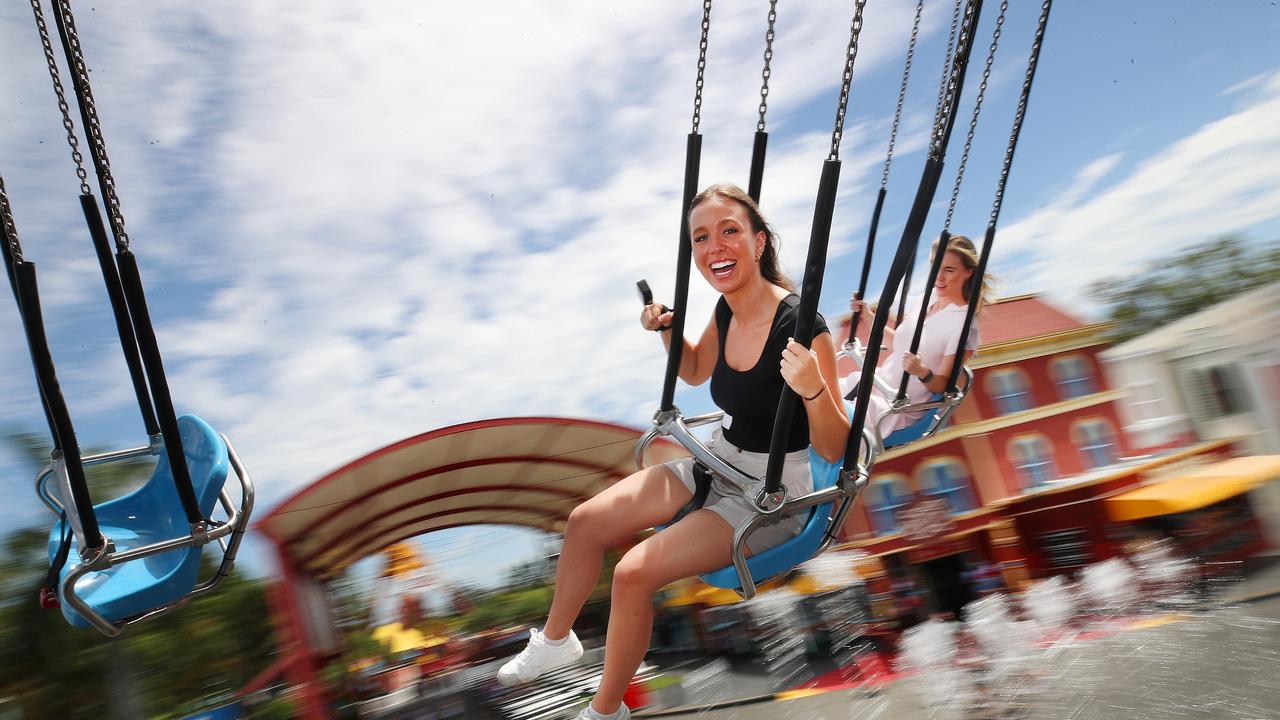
x: 532, y: 471
x: 134, y: 557
x: 836, y: 486
x: 528, y: 472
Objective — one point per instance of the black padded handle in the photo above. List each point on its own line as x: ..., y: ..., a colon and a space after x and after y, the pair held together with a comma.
x: 646, y: 296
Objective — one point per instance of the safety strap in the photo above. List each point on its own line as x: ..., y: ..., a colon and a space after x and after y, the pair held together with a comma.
x: 49, y: 589
x: 684, y: 258
x: 702, y: 487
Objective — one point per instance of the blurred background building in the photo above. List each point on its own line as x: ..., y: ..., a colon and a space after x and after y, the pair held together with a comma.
x: 1069, y: 450
x: 1214, y: 374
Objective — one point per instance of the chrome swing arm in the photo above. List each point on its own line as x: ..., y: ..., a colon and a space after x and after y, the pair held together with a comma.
x: 48, y: 472
x: 106, y: 556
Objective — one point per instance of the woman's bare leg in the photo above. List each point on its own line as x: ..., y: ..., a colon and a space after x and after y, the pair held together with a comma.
x: 638, y: 502
x: 702, y: 541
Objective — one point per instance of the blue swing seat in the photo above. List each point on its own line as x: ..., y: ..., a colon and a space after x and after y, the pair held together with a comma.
x: 151, y: 514
x: 915, y: 430
x: 787, y: 555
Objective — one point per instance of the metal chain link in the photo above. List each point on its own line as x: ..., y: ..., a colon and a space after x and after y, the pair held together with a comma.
x: 977, y: 110
x: 10, y: 228
x: 902, y: 93
x: 964, y: 37
x: 63, y: 107
x: 768, y: 59
x: 702, y: 65
x: 1021, y: 112
x: 947, y: 64
x: 97, y: 143
x: 846, y: 81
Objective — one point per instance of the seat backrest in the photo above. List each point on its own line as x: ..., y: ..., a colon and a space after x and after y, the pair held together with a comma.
x: 914, y: 431
x: 156, y: 505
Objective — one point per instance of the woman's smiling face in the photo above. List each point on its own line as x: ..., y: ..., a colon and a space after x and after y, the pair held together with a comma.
x: 724, y: 248
x: 951, y: 278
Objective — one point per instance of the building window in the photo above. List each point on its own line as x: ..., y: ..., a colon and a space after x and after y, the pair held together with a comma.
x: 947, y: 480
x: 1145, y: 401
x: 1095, y: 442
x: 1073, y: 376
x: 1224, y: 390
x: 1009, y: 391
x: 886, y: 495
x: 1032, y: 456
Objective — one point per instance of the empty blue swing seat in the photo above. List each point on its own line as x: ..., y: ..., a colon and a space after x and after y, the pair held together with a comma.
x: 785, y: 556
x: 151, y: 514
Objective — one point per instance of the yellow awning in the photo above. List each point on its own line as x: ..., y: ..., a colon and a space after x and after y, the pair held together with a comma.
x: 695, y: 592
x: 713, y: 596
x: 1198, y: 488
x: 401, y: 639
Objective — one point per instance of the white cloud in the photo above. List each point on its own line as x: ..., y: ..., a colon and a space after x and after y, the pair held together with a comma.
x: 1218, y: 180
x: 363, y: 221
x: 420, y: 248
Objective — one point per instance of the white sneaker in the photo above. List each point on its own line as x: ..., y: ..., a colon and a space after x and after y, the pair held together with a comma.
x: 624, y: 713
x: 538, y: 657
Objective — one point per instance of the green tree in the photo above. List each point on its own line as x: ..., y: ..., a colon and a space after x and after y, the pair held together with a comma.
x: 1186, y: 282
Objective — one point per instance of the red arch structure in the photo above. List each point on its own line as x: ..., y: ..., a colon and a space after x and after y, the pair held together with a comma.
x: 529, y: 471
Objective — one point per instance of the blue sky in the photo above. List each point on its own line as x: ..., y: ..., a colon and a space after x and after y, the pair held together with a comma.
x: 359, y: 222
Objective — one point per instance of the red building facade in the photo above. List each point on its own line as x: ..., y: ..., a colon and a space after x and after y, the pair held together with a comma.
x: 1012, y: 489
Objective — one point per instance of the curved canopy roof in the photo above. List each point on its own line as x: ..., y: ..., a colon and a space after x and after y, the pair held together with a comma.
x: 511, y: 471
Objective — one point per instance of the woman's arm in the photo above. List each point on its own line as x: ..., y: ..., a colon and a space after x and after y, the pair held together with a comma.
x: 866, y: 316
x: 696, y: 361
x: 936, y: 381
x: 812, y: 375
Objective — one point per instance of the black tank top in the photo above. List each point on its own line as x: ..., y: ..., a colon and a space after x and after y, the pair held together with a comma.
x: 750, y: 398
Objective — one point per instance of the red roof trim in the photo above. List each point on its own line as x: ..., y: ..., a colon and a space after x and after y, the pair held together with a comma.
x: 357, y: 502
x: 283, y: 507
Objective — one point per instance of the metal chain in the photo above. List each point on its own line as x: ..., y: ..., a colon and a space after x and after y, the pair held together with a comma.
x: 97, y: 143
x: 1021, y: 112
x: 63, y: 107
x: 964, y: 37
x: 768, y: 58
x: 702, y: 65
x: 846, y: 81
x: 902, y: 93
x: 947, y: 64
x: 10, y: 228
x: 977, y: 110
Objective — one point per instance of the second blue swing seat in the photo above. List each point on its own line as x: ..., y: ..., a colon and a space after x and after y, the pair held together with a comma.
x: 153, y: 513
x: 917, y: 429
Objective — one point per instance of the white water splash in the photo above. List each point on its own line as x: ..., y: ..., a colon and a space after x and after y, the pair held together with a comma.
x: 1050, y: 603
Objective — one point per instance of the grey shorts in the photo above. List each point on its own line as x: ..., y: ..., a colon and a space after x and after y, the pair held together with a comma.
x: 735, y: 504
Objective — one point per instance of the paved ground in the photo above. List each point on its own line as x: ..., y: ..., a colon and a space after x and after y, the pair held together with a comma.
x: 1216, y: 664
x: 1221, y: 664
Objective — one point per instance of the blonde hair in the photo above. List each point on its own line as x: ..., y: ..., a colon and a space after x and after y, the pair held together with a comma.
x: 963, y: 248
